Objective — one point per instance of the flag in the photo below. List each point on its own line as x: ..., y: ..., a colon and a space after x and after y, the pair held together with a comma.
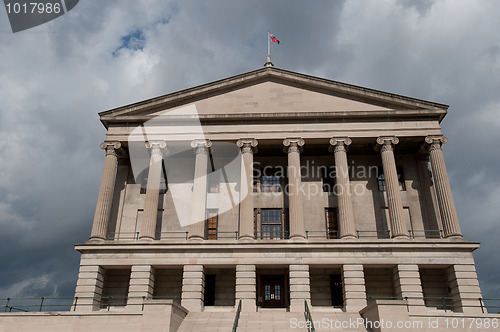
x: 274, y: 39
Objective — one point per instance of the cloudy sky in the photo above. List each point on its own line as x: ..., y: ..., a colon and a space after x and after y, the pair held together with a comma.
x: 55, y: 78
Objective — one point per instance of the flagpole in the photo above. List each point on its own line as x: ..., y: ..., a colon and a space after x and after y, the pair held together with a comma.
x: 268, y: 62
x: 268, y: 44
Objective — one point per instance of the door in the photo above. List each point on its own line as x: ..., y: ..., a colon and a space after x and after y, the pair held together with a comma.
x: 209, y: 290
x: 272, y: 292
x: 337, y: 290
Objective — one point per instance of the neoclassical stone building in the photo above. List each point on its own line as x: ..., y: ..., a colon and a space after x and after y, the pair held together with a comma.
x: 276, y: 189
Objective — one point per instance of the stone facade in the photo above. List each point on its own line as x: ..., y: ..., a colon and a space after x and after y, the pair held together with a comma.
x: 333, y: 205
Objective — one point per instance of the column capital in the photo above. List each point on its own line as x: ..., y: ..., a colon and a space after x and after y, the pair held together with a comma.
x: 435, y: 142
x: 111, y: 147
x: 339, y: 144
x: 293, y: 144
x: 156, y: 147
x: 201, y: 145
x: 247, y: 145
x: 386, y: 143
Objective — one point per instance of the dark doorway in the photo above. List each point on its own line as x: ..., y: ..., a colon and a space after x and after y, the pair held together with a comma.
x: 272, y: 291
x: 209, y: 290
x: 336, y: 287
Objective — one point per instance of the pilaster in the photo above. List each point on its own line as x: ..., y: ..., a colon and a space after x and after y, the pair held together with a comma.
x: 246, y: 287
x: 300, y: 287
x: 353, y: 283
x: 465, y: 289
x: 409, y: 287
x: 89, y: 288
x: 193, y: 287
x: 141, y: 286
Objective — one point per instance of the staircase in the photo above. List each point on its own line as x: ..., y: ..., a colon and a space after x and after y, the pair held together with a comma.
x: 269, y: 321
x: 207, y: 321
x: 330, y: 319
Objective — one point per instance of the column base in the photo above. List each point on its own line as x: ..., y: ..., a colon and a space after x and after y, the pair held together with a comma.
x: 401, y: 237
x: 454, y: 236
x: 297, y: 237
x: 348, y: 237
x: 246, y: 238
x: 146, y: 239
x: 196, y: 238
x: 96, y: 240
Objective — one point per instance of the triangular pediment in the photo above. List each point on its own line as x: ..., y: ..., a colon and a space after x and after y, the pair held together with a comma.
x: 275, y: 92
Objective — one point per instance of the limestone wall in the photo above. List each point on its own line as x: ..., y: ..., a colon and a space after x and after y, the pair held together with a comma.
x: 168, y: 283
x: 321, y: 292
x: 116, y: 284
x: 379, y: 283
x: 369, y: 204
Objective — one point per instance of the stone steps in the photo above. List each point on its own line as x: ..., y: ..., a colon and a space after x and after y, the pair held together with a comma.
x: 269, y: 320
x: 207, y: 321
x: 337, y: 321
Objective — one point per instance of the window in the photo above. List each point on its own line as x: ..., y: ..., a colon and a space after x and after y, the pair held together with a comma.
x: 271, y: 224
x: 381, y: 179
x: 270, y: 180
x: 277, y: 292
x: 328, y: 177
x: 211, y: 225
x: 213, y: 182
x: 331, y: 218
x: 163, y: 182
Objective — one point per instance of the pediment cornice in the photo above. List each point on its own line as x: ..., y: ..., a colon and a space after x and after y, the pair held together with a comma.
x: 398, y: 106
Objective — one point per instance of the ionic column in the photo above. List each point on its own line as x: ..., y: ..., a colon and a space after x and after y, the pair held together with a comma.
x: 150, y: 216
x: 246, y: 227
x: 394, y: 201
x: 104, y: 199
x: 292, y: 147
x: 447, y: 209
x: 347, y: 228
x: 199, y: 203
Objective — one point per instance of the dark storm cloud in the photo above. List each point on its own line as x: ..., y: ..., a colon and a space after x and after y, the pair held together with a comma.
x: 55, y: 78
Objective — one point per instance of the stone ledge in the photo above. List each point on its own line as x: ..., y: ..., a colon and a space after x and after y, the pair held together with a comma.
x: 276, y: 245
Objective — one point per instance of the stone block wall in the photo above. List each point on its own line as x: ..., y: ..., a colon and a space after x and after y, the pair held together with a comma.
x: 168, y: 283
x: 379, y: 283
